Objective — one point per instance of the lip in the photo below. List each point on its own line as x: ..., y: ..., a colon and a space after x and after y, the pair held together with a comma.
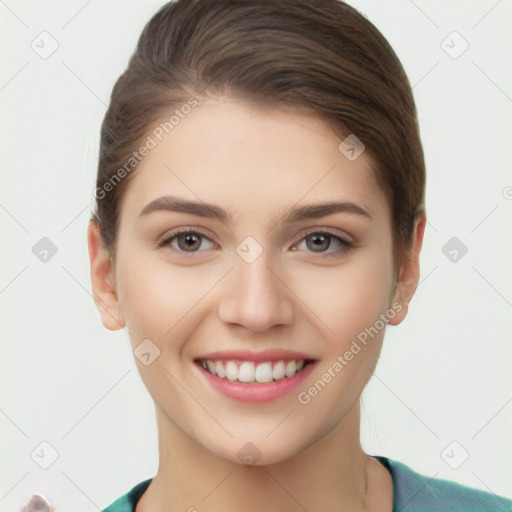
x: 257, y: 357
x: 256, y: 392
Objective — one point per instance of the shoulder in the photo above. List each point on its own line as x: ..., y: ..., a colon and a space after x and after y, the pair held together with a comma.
x: 127, y: 502
x: 415, y: 492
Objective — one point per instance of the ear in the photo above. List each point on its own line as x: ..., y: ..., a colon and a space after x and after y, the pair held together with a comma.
x: 102, y: 280
x: 409, y: 273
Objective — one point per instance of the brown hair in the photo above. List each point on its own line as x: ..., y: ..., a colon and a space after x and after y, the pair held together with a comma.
x: 316, y: 56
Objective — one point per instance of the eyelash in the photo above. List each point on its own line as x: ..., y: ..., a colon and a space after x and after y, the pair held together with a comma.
x: 344, y: 247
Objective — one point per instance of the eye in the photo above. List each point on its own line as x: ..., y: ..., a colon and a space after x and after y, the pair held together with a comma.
x: 190, y: 241
x: 320, y: 241
x: 187, y: 241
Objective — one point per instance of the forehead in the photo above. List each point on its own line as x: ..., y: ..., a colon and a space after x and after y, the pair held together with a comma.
x: 232, y: 153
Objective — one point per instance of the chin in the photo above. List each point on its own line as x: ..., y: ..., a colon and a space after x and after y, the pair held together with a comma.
x: 259, y: 452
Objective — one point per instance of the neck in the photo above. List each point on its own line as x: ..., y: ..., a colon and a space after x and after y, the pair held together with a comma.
x: 331, y: 474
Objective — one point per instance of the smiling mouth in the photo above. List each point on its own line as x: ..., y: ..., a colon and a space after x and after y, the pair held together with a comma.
x: 252, y: 372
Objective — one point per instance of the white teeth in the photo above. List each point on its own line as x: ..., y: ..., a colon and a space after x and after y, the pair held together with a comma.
x: 251, y: 372
x: 246, y: 372
x: 231, y: 370
x: 264, y: 372
x: 220, y: 370
x: 290, y: 369
x: 211, y: 367
x: 278, y: 371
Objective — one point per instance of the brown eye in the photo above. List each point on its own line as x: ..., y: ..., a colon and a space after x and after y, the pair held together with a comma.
x: 325, y: 243
x: 187, y: 241
x: 318, y: 242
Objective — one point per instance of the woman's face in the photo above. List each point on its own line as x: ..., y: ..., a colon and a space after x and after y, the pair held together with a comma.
x: 267, y: 275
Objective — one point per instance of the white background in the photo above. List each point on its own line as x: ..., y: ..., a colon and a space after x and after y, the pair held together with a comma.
x: 444, y: 374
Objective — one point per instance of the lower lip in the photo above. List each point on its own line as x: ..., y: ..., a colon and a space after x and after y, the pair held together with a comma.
x: 257, y: 392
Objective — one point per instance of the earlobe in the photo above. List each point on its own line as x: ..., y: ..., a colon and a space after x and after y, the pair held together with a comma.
x: 409, y: 273
x: 102, y: 280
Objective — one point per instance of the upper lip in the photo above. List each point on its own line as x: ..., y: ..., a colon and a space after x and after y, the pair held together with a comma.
x: 261, y: 356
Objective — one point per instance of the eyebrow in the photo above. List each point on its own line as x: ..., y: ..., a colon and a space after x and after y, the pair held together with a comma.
x: 211, y: 211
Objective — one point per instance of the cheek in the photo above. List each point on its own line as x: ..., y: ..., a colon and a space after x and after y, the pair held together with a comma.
x: 156, y: 297
x: 351, y: 303
x: 349, y: 298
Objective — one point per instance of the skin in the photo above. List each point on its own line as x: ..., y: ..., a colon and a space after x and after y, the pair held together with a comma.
x: 257, y: 164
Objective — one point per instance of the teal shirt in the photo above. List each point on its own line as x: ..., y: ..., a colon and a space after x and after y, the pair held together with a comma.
x: 412, y: 493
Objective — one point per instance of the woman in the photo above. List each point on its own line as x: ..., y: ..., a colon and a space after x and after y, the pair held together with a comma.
x: 259, y: 219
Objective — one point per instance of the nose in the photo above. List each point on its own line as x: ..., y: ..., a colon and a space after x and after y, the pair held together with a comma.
x: 256, y: 297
